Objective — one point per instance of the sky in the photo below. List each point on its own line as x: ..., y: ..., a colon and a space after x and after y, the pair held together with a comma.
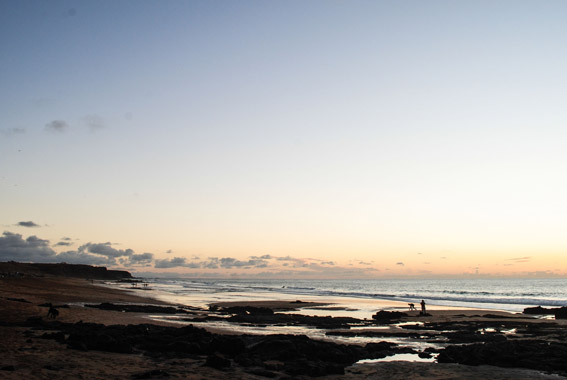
x: 286, y: 139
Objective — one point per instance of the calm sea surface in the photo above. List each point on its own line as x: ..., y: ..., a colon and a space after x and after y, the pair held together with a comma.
x: 505, y: 294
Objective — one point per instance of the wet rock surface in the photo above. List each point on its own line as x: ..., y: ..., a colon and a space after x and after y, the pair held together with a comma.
x: 538, y: 355
x: 388, y: 316
x: 535, y: 344
x: 289, y: 354
x: 295, y: 320
x: 139, y: 308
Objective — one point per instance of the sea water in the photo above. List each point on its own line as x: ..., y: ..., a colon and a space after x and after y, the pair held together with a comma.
x: 499, y: 294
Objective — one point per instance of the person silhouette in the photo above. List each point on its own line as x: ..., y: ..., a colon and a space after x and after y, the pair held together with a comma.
x: 422, y: 303
x: 53, y: 312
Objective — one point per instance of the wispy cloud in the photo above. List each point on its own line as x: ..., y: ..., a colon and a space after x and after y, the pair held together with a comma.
x: 28, y: 224
x: 524, y: 259
x: 63, y: 244
x: 94, y: 122
x: 12, y: 132
x: 57, y: 126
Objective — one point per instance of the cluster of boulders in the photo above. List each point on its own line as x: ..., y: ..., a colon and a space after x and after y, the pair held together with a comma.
x: 289, y: 354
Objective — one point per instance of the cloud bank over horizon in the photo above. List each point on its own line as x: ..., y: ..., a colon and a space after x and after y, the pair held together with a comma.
x: 14, y: 247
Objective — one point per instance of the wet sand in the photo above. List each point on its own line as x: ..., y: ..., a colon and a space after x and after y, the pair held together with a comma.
x: 23, y: 354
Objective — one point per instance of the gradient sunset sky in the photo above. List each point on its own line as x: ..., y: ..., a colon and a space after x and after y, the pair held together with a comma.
x: 286, y: 138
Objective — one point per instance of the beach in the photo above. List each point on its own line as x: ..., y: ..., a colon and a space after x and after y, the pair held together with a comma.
x: 35, y: 348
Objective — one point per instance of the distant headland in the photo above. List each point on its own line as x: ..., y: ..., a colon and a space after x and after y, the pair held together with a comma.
x: 15, y: 269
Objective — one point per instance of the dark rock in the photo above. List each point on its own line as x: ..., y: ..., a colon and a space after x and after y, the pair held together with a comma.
x: 18, y: 300
x: 262, y: 372
x: 77, y: 345
x: 34, y: 321
x: 138, y: 308
x: 538, y: 310
x: 280, y: 347
x: 296, y: 354
x: 384, y: 316
x: 561, y: 313
x: 379, y: 350
x: 496, y: 316
x: 109, y: 341
x: 52, y: 367
x: 248, y: 310
x: 153, y: 374
x: 295, y: 320
x: 217, y: 362
x: 104, y: 342
x: 8, y: 368
x: 232, y: 345
x: 245, y: 360
x: 55, y: 306
x: 431, y: 350
x: 58, y: 336
x: 474, y: 336
x: 313, y: 368
x: 532, y: 354
x: 380, y: 346
x: 185, y: 347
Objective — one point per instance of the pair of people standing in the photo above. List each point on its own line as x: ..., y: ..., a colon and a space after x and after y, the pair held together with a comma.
x: 422, y: 303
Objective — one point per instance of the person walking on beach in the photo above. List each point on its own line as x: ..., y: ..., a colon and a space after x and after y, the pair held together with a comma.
x: 423, y: 312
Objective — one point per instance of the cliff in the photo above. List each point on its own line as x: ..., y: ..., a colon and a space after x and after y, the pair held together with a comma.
x: 13, y: 268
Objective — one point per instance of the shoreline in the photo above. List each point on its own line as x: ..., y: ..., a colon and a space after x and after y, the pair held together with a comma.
x: 24, y: 350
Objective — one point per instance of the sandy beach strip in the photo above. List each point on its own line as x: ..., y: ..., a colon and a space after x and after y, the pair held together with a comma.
x: 20, y: 299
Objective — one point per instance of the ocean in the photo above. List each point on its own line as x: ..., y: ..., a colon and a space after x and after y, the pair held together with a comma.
x: 499, y: 294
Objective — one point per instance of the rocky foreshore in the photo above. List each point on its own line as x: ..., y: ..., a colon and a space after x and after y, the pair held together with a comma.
x: 506, y: 343
x: 271, y: 355
x: 102, y: 332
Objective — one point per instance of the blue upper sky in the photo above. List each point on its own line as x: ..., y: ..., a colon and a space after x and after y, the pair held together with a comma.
x: 364, y: 130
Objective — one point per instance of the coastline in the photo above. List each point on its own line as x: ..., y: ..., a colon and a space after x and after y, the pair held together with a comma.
x: 26, y: 355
